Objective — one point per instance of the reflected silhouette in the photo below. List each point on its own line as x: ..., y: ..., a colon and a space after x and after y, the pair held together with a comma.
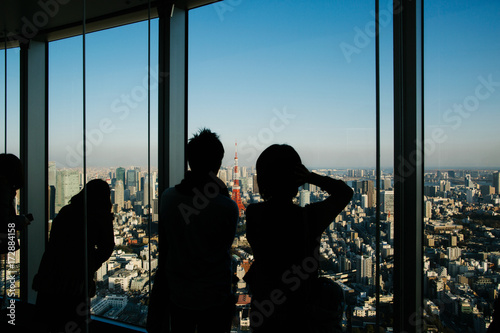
x: 62, y: 300
x: 197, y: 227
x: 285, y: 239
x: 11, y: 180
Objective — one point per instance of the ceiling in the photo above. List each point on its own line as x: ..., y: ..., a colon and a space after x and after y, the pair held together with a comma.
x: 49, y: 20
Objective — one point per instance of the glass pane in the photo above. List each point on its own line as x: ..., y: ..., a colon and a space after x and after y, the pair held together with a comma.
x: 65, y: 123
x: 10, y: 133
x: 117, y: 152
x: 263, y: 73
x: 461, y: 163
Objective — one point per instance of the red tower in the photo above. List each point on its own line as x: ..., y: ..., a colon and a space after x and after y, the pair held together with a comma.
x: 236, y: 196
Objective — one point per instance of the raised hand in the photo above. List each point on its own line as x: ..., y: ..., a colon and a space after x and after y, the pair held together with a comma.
x: 302, y: 175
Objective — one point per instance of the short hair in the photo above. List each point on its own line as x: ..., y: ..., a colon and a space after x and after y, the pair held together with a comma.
x: 98, y: 196
x: 205, y: 151
x: 11, y: 169
x: 275, y: 172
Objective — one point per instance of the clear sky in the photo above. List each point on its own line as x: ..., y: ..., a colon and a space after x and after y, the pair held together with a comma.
x: 263, y: 72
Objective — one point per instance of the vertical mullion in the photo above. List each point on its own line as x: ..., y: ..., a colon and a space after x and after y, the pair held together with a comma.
x: 5, y: 91
x: 377, y: 165
x: 5, y: 151
x: 149, y: 142
x: 84, y: 154
x: 408, y: 165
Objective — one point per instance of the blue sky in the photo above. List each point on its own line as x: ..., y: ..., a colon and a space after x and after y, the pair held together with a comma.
x: 263, y: 72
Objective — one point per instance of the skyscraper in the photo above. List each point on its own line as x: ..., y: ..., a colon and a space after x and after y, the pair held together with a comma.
x: 132, y: 180
x: 468, y: 181
x: 255, y: 184
x: 52, y: 173
x: 388, y: 203
x: 138, y: 178
x: 67, y: 185
x: 364, y: 270
x: 119, y: 194
x: 305, y: 198
x: 390, y: 231
x: 444, y: 185
x: 386, y: 183
x: 223, y: 175
x: 428, y: 209
x: 149, y: 190
x: 368, y: 189
x: 120, y: 175
x: 496, y: 182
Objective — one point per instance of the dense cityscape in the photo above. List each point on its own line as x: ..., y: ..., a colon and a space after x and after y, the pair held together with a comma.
x: 461, y: 251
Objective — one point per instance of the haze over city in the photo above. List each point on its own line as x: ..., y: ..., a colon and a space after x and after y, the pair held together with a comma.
x: 299, y: 77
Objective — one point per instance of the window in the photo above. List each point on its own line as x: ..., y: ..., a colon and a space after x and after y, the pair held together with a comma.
x: 121, y: 148
x: 10, y: 133
x: 461, y: 164
x: 304, y: 74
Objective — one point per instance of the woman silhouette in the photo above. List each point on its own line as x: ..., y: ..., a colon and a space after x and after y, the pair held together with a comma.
x: 63, y: 298
x: 285, y: 239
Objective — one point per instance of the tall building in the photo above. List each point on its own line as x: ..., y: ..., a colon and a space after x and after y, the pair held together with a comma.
x: 255, y: 184
x: 364, y: 269
x: 243, y: 172
x: 120, y: 175
x: 368, y: 189
x: 386, y: 183
x: 119, y: 194
x: 357, y: 186
x: 223, y: 175
x: 149, y: 193
x: 364, y: 201
x: 487, y: 190
x: 52, y: 173
x: 67, y: 185
x: 132, y: 180
x: 428, y: 209
x: 470, y: 195
x: 138, y: 178
x: 444, y: 185
x: 454, y: 253
x: 496, y: 182
x: 236, y: 195
x: 387, y: 198
x: 304, y: 198
x: 390, y: 231
x: 344, y: 264
x: 468, y: 181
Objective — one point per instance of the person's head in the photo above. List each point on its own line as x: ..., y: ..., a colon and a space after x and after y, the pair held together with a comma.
x: 98, y: 196
x: 205, y: 152
x: 275, y: 172
x: 11, y: 170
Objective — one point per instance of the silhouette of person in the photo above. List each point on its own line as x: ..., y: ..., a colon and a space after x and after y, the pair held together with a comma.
x: 197, y: 227
x: 285, y: 238
x: 11, y: 180
x: 63, y: 299
x: 495, y: 323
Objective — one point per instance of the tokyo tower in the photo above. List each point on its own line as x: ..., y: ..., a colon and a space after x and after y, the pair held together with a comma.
x: 236, y: 196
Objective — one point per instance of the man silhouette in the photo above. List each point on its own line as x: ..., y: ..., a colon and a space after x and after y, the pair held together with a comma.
x: 197, y: 227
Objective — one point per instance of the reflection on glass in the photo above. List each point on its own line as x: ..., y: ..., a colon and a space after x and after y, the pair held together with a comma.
x: 116, y: 150
x: 262, y: 73
x: 461, y: 193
